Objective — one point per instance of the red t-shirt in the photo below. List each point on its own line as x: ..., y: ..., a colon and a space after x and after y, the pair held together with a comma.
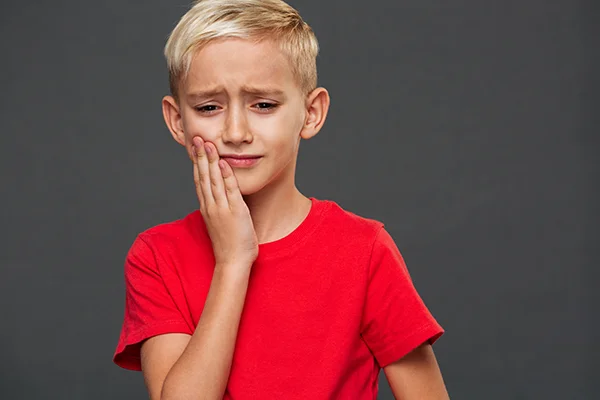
x: 327, y: 306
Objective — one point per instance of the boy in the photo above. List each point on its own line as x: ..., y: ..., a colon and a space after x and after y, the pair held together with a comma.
x: 264, y: 293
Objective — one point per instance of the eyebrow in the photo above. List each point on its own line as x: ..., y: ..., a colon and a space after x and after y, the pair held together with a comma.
x: 246, y: 89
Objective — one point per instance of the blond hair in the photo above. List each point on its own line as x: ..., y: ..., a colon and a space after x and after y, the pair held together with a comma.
x: 256, y: 20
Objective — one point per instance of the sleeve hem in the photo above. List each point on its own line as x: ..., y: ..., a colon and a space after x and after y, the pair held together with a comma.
x: 127, y: 354
x: 429, y: 333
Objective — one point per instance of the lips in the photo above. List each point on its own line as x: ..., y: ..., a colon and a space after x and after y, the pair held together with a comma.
x: 241, y: 160
x: 240, y: 156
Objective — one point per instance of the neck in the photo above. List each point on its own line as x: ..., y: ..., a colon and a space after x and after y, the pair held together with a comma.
x: 277, y: 211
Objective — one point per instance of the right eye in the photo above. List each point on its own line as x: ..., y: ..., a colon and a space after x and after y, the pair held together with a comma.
x: 207, y: 109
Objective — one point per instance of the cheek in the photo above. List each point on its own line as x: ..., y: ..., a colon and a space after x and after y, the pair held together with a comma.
x: 284, y: 142
x: 290, y: 126
x: 192, y: 127
x: 282, y: 138
x: 205, y: 128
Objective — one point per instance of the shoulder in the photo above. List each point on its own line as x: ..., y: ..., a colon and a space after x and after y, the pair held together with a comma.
x: 180, y: 231
x: 166, y: 247
x: 348, y: 224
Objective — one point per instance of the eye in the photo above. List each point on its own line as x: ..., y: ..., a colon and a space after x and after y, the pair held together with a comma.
x: 207, y: 109
x: 264, y: 106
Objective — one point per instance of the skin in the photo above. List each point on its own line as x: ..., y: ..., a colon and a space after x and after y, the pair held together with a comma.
x: 255, y: 106
x: 417, y: 375
x: 271, y: 125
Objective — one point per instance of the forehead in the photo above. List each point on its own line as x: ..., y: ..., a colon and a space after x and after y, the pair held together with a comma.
x: 234, y: 63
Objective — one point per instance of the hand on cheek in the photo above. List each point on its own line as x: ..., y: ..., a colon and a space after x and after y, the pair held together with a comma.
x: 223, y: 209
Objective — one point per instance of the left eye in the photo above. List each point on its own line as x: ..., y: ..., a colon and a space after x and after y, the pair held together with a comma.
x: 265, y: 106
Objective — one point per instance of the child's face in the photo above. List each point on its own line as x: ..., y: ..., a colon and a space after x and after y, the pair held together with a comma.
x: 242, y: 97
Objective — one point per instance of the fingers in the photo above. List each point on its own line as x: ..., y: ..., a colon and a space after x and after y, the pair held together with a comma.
x: 215, y: 181
x: 202, y: 174
x: 232, y: 189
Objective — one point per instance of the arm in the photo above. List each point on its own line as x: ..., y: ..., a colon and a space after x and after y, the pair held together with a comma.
x: 416, y: 376
x: 185, y: 367
x: 179, y: 366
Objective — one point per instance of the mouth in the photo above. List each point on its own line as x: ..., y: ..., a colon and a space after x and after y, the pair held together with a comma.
x: 241, y: 160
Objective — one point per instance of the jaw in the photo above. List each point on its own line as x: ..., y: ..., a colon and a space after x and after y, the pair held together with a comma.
x: 280, y: 183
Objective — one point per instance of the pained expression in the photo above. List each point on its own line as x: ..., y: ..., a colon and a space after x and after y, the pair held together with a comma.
x: 242, y: 96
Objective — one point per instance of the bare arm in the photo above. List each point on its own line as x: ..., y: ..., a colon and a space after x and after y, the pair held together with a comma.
x: 417, y: 376
x: 179, y: 366
x: 182, y: 367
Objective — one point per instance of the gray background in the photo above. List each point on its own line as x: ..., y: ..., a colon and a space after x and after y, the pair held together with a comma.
x: 469, y: 127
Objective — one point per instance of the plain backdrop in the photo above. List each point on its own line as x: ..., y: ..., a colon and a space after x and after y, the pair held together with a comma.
x: 470, y: 128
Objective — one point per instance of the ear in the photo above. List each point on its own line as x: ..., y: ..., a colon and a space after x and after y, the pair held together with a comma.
x: 172, y: 116
x: 317, y: 105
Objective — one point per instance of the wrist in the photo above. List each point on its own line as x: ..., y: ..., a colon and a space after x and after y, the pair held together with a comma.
x: 238, y: 270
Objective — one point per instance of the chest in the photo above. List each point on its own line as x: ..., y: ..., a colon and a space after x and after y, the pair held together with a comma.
x: 300, y: 314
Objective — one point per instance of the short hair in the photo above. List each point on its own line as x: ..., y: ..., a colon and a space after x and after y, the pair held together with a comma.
x: 256, y: 20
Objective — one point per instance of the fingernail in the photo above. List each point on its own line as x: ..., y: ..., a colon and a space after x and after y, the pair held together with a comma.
x: 194, y: 152
x: 197, y: 141
x: 208, y: 149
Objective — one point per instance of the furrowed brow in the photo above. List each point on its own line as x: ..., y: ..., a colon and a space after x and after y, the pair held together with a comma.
x: 251, y: 90
x: 203, y: 94
x: 262, y: 91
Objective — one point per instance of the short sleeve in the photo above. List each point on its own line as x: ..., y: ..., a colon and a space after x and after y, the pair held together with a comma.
x: 149, y: 308
x: 395, y: 319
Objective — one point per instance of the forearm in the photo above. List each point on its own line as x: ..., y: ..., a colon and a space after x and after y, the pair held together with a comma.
x: 202, y: 371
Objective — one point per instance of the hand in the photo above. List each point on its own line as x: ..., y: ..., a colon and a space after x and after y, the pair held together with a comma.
x: 225, y: 213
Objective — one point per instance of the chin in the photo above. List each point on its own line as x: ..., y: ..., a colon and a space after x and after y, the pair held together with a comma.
x: 248, y: 188
x: 253, y: 183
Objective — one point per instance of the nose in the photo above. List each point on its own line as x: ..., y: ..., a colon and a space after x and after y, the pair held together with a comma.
x: 236, y: 130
